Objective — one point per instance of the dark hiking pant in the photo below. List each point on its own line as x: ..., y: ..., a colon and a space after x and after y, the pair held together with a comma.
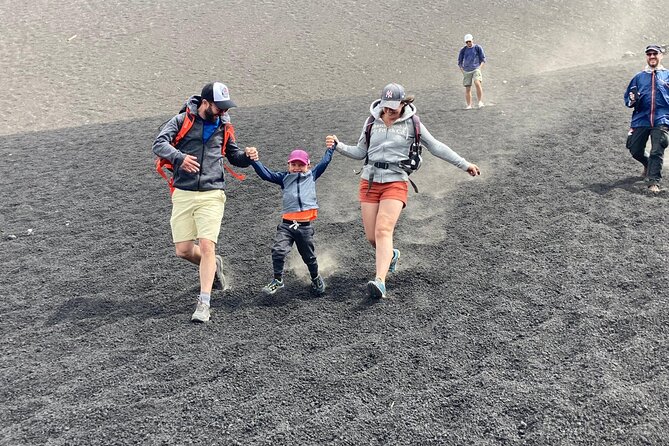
x: 659, y: 139
x: 302, y: 234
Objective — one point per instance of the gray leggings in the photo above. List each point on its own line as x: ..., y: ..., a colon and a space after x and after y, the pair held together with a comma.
x: 303, y: 237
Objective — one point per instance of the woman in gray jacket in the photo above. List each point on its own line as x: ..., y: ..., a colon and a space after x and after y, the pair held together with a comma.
x: 383, y: 185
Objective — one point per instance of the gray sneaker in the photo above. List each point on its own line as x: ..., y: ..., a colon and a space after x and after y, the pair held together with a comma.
x: 272, y: 287
x: 318, y: 285
x: 220, y: 282
x: 201, y: 313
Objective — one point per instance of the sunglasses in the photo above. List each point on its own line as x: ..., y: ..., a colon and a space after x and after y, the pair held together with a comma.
x: 220, y: 110
x: 652, y: 53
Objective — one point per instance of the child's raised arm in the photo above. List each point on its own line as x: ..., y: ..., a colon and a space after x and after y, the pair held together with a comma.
x: 268, y: 175
x: 318, y: 170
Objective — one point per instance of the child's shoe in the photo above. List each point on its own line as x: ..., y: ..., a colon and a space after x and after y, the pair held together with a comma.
x: 318, y: 285
x: 272, y: 287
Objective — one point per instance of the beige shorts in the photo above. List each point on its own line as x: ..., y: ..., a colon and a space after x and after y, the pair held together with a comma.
x: 471, y: 76
x: 197, y: 215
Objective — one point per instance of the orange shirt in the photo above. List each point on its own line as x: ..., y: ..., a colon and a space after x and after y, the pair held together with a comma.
x: 307, y: 215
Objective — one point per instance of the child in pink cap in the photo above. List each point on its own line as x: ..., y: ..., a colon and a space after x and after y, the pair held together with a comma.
x: 300, y: 208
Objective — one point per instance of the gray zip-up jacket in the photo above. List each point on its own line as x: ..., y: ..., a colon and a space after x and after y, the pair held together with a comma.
x: 299, y: 189
x: 391, y: 145
x: 208, y: 154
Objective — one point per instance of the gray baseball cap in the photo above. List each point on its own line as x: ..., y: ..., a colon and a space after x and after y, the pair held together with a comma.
x: 392, y: 96
x: 654, y: 47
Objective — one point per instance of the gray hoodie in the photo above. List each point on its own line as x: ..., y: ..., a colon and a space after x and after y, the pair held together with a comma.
x: 391, y: 145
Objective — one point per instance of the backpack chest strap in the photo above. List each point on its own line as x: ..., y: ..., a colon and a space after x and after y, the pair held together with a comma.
x: 387, y: 166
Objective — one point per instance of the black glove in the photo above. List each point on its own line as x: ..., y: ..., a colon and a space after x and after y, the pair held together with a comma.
x: 634, y: 95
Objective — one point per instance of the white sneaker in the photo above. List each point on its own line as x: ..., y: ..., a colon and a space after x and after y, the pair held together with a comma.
x: 481, y: 104
x: 201, y: 313
x: 469, y: 107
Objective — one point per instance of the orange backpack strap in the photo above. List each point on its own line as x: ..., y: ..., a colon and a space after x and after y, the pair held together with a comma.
x: 228, y: 133
x: 161, y: 163
x: 189, y: 119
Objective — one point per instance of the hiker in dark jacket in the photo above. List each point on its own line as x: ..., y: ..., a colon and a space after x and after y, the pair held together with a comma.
x: 300, y: 209
x: 198, y: 199
x: 383, y: 184
x: 648, y: 94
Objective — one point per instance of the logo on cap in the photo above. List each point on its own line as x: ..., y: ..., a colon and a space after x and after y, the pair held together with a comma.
x: 221, y: 92
x: 389, y: 94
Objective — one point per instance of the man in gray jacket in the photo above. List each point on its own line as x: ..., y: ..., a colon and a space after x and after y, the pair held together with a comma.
x: 192, y: 144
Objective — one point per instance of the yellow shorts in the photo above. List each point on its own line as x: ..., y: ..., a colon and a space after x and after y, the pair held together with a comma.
x: 197, y: 215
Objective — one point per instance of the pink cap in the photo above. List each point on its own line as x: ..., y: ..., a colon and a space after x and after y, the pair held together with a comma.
x: 299, y: 155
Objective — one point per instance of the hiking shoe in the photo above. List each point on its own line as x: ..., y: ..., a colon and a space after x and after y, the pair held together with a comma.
x: 272, y: 287
x: 481, y: 104
x: 376, y: 289
x: 654, y: 188
x: 201, y: 313
x: 318, y: 285
x: 220, y: 282
x: 393, y: 262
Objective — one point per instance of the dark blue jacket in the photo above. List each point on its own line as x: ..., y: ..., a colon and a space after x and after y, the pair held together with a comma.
x: 652, y: 107
x: 470, y: 59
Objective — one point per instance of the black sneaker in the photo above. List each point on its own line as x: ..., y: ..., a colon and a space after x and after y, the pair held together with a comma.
x: 272, y: 287
x: 318, y: 285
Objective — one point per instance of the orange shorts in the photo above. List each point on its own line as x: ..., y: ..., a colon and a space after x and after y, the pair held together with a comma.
x: 395, y: 190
